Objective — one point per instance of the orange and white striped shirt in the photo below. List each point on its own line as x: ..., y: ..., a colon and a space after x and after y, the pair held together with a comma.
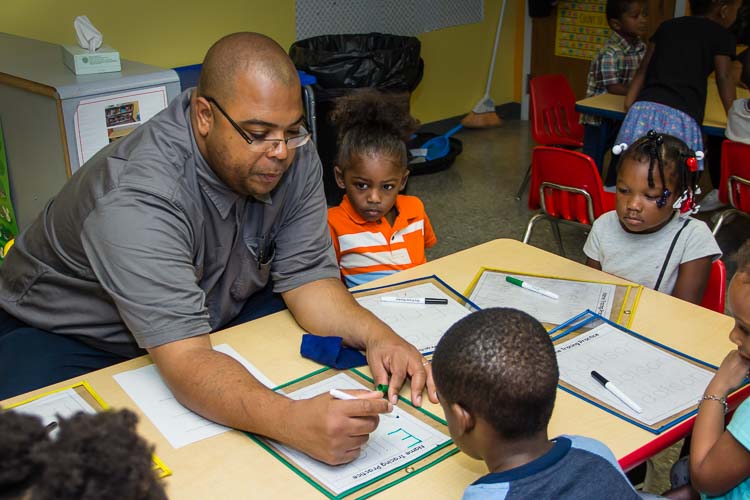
x: 370, y: 250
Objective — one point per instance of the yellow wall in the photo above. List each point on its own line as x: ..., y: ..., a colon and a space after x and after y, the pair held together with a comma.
x: 173, y: 33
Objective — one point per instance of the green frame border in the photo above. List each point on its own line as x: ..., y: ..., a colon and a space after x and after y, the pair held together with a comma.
x: 350, y: 491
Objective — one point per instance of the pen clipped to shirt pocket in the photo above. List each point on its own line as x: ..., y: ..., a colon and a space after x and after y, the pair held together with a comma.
x: 257, y: 257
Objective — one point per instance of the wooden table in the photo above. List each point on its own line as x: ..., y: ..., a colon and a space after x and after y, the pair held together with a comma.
x: 230, y: 465
x: 613, y: 106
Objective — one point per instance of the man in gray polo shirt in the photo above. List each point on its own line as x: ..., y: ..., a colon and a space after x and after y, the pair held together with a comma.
x: 164, y: 236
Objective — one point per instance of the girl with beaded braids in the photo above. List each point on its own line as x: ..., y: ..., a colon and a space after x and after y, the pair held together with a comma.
x: 650, y: 238
x: 375, y: 230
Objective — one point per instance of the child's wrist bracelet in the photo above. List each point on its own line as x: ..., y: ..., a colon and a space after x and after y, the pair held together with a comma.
x: 711, y: 397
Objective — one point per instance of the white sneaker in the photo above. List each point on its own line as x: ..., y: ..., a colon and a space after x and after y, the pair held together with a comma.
x: 710, y: 201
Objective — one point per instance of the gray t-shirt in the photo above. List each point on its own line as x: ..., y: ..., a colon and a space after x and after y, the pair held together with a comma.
x: 145, y: 245
x: 639, y: 257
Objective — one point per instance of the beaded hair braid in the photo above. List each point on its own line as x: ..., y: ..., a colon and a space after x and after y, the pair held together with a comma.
x: 660, y: 149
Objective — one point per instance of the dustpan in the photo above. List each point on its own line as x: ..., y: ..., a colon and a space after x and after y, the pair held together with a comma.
x: 439, y: 146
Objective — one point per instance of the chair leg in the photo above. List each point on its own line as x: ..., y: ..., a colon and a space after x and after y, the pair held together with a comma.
x: 524, y: 183
x: 530, y: 226
x: 556, y: 230
x: 726, y: 214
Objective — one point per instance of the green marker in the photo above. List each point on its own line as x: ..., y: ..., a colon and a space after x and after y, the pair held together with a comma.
x: 383, y: 388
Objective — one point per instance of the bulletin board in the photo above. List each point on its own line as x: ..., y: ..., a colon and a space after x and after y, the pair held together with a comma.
x: 582, y: 28
x: 8, y: 224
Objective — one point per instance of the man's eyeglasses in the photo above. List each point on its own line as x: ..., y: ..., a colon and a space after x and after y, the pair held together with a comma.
x: 264, y: 145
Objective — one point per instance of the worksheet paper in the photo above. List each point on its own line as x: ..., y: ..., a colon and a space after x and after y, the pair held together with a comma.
x: 422, y: 325
x: 178, y: 424
x: 396, y: 442
x: 50, y: 408
x: 661, y: 383
x: 492, y: 290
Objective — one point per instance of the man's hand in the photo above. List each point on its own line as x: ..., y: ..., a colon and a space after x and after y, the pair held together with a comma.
x: 325, y: 307
x: 335, y: 431
x: 394, y: 356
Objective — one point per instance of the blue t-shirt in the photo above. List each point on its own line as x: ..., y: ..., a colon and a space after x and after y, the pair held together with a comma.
x: 575, y: 468
x: 739, y: 428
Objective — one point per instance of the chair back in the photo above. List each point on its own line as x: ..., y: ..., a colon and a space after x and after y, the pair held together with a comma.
x: 715, y: 294
x: 734, y: 188
x: 554, y: 120
x: 566, y: 185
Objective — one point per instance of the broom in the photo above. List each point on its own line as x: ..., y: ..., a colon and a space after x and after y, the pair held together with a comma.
x: 483, y: 115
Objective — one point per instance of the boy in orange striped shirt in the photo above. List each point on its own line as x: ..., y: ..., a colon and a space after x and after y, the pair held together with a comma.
x: 375, y: 230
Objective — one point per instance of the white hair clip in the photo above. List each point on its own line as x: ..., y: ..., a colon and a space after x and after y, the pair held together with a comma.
x: 618, y: 149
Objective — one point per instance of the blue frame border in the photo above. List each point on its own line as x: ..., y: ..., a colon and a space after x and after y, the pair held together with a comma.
x: 589, y: 316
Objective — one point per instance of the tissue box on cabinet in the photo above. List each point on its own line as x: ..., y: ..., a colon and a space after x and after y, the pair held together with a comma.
x: 82, y: 62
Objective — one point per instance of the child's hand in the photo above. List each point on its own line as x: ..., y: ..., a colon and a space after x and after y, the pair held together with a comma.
x: 732, y: 372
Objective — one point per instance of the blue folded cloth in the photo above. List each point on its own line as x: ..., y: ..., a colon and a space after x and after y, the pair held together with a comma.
x: 330, y: 351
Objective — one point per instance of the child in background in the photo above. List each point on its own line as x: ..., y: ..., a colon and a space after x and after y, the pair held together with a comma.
x: 668, y: 92
x: 611, y: 71
x: 650, y: 238
x: 375, y: 230
x: 720, y: 459
x: 92, y: 457
x: 496, y: 376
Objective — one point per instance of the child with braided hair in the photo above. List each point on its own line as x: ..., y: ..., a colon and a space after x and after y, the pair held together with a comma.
x: 375, y: 231
x: 650, y: 238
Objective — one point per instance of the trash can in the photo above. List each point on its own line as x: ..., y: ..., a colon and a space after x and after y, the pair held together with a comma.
x: 343, y: 63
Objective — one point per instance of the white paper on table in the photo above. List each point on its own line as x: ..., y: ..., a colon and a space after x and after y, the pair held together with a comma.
x: 659, y: 382
x: 395, y: 442
x: 103, y: 119
x: 422, y: 325
x: 178, y: 424
x: 50, y: 408
x: 492, y: 290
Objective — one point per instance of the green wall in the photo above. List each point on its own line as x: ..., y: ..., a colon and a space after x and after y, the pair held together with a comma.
x: 173, y: 33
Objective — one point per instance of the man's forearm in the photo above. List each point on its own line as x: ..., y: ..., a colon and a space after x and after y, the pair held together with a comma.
x: 325, y: 307
x: 219, y: 388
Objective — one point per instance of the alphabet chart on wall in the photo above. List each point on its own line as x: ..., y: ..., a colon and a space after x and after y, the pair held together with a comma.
x: 664, y: 383
x: 491, y: 289
x: 422, y: 325
x: 400, y: 440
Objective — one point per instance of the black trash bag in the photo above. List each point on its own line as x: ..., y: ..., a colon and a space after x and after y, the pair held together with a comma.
x: 344, y: 63
x: 357, y: 61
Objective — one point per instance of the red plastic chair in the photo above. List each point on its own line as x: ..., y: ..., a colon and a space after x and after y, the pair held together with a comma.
x: 554, y: 120
x: 567, y: 187
x: 715, y: 294
x: 734, y: 188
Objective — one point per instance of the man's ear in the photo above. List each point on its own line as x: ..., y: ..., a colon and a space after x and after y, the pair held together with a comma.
x: 339, y: 176
x: 204, y: 115
x: 403, y: 181
x: 463, y: 419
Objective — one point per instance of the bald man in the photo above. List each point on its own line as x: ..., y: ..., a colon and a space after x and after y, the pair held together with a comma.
x: 167, y: 234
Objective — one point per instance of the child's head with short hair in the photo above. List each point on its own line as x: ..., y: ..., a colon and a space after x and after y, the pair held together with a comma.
x: 627, y: 17
x: 496, y: 376
x: 371, y: 164
x: 723, y: 12
x: 92, y: 456
x: 656, y: 175
x: 739, y: 300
